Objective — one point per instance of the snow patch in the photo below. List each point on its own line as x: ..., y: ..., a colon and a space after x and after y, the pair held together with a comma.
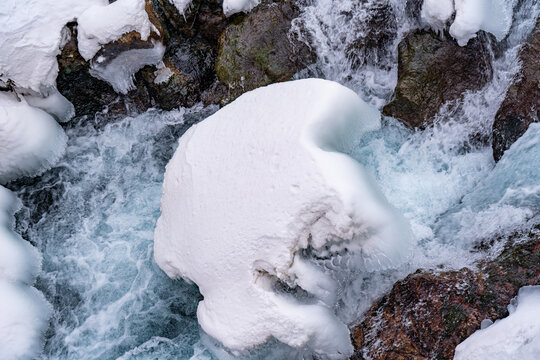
x: 254, y: 184
x: 471, y: 16
x: 30, y: 139
x: 100, y: 25
x: 514, y: 337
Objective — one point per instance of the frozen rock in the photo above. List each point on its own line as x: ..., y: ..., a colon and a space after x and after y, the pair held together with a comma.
x: 30, y: 139
x: 254, y: 184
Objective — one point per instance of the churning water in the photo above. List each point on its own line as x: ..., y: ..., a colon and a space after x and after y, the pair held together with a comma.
x: 93, y: 215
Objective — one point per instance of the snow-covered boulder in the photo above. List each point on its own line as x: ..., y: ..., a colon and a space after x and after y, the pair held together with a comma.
x: 24, y: 312
x: 252, y: 186
x: 471, y: 16
x: 514, y: 337
x: 30, y: 139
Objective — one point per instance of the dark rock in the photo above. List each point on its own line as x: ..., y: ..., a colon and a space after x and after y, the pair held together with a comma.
x: 375, y: 29
x: 521, y: 106
x: 88, y: 94
x: 433, y: 71
x: 256, y: 50
x: 426, y: 315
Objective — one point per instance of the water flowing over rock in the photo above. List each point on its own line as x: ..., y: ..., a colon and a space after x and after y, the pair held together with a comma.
x: 428, y: 314
x: 521, y: 105
x: 258, y: 50
x: 433, y: 71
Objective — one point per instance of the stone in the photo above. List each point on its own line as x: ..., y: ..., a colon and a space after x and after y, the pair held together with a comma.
x: 426, y: 315
x: 521, y: 105
x: 257, y: 49
x: 434, y: 70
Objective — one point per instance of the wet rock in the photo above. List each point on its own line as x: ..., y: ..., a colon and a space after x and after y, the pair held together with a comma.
x: 426, y: 315
x: 376, y: 27
x: 257, y: 50
x: 187, y: 72
x: 88, y: 94
x: 521, y: 106
x: 433, y: 71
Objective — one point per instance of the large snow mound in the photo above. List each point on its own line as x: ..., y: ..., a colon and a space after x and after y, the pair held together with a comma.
x: 514, y: 337
x: 471, y: 16
x: 30, y: 139
x: 254, y: 184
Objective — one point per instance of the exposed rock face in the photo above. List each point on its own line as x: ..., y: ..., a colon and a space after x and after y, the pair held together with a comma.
x: 87, y: 93
x: 521, y: 106
x: 427, y: 314
x: 256, y: 50
x: 377, y: 27
x: 433, y: 71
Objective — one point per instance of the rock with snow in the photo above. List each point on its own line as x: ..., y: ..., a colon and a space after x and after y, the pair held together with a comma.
x: 471, y: 16
x: 252, y: 186
x: 24, y: 317
x: 514, y: 337
x: 30, y: 139
x: 230, y: 7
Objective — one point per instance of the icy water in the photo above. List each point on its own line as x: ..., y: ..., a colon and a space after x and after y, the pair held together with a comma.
x: 93, y: 215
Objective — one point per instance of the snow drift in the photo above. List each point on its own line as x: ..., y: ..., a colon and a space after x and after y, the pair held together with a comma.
x: 30, y: 139
x: 493, y: 16
x: 24, y: 312
x: 254, y: 184
x: 514, y: 337
x: 33, y: 34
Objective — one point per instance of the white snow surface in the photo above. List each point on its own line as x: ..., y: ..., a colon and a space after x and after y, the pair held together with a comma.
x: 254, y: 184
x: 514, y: 337
x: 24, y: 312
x: 30, y: 139
x: 24, y: 315
x: 31, y: 37
x: 471, y: 16
x: 103, y: 24
x: 437, y: 12
x: 32, y: 34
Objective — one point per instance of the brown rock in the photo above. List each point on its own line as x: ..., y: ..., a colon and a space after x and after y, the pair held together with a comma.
x: 426, y: 315
x: 433, y: 71
x: 521, y: 106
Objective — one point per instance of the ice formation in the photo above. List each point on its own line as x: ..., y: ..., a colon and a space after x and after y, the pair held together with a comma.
x: 119, y: 71
x: 493, y: 16
x: 254, y: 184
x: 514, y: 337
x: 230, y: 7
x: 30, y: 139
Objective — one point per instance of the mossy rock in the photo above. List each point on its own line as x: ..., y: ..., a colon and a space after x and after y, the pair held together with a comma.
x: 433, y: 71
x: 257, y: 49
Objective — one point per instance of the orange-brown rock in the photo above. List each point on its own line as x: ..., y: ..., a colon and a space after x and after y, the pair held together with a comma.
x: 426, y: 315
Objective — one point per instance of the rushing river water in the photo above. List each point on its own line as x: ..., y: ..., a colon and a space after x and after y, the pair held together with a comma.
x: 93, y: 215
